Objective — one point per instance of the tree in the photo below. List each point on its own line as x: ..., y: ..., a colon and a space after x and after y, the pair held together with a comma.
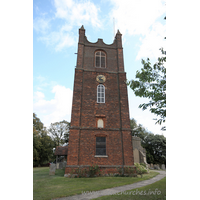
x: 155, y: 145
x: 59, y: 132
x: 42, y: 143
x: 151, y: 84
x: 133, y: 123
x: 37, y: 124
x: 36, y: 146
x: 47, y: 145
x: 37, y: 127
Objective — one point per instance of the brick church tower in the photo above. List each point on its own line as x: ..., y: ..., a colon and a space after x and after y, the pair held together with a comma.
x: 100, y: 126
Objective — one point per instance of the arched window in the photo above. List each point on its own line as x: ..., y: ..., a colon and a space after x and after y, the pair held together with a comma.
x: 100, y: 59
x: 100, y: 123
x: 100, y: 94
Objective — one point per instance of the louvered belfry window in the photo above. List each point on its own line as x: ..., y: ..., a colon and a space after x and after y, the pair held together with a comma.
x: 100, y: 59
x: 100, y: 145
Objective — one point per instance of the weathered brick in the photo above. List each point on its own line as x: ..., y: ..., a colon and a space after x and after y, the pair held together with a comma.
x: 86, y: 111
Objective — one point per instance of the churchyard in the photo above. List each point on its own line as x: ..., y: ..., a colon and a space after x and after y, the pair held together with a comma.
x: 47, y: 186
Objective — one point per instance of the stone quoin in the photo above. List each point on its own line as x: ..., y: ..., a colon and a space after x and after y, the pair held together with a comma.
x: 100, y: 130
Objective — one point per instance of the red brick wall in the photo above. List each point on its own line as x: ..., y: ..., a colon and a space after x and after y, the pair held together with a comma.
x: 106, y: 170
x: 86, y: 111
x: 113, y: 147
x: 76, y: 105
x: 73, y: 148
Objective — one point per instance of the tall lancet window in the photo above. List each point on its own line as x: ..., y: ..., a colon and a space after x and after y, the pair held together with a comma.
x: 100, y: 59
x: 100, y: 94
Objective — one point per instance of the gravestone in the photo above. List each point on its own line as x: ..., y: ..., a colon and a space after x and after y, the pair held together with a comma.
x: 52, y: 169
x: 156, y: 166
x: 163, y: 167
x: 151, y: 166
x: 64, y: 164
x: 57, y: 165
x: 66, y: 175
x: 61, y: 165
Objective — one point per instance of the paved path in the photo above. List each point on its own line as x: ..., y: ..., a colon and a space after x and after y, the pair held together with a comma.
x: 115, y: 190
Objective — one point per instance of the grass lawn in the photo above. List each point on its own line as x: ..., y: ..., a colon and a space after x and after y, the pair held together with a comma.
x: 47, y: 187
x: 154, y: 191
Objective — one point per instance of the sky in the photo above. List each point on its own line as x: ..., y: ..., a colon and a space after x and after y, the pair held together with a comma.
x: 55, y: 42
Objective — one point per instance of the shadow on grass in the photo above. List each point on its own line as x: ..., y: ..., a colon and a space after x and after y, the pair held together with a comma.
x: 60, y: 172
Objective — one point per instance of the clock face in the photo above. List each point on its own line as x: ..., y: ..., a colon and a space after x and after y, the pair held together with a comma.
x: 101, y: 78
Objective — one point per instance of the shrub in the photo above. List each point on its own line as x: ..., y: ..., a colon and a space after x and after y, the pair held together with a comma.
x: 81, y: 172
x: 71, y: 173
x: 128, y: 171
x: 140, y: 169
x: 116, y: 175
x: 119, y: 169
x: 101, y: 172
x: 93, y: 170
x: 144, y: 165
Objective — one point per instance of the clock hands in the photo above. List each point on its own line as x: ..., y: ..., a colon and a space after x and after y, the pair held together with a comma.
x: 101, y: 78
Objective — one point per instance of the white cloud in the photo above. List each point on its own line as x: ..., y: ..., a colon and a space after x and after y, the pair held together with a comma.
x: 65, y: 41
x: 59, y: 39
x: 152, y: 42
x: 38, y: 96
x: 139, y: 17
x: 77, y: 13
x: 41, y: 25
x: 41, y: 78
x: 56, y: 109
x: 41, y: 83
x: 74, y: 14
x: 136, y: 16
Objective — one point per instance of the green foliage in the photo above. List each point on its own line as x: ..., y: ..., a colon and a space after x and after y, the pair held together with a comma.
x: 151, y: 84
x: 93, y: 170
x: 133, y: 123
x: 144, y: 165
x: 130, y: 171
x: 81, y: 172
x: 59, y: 132
x: 42, y: 143
x: 46, y: 150
x: 119, y: 170
x: 37, y: 124
x: 155, y: 145
x: 140, y: 169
